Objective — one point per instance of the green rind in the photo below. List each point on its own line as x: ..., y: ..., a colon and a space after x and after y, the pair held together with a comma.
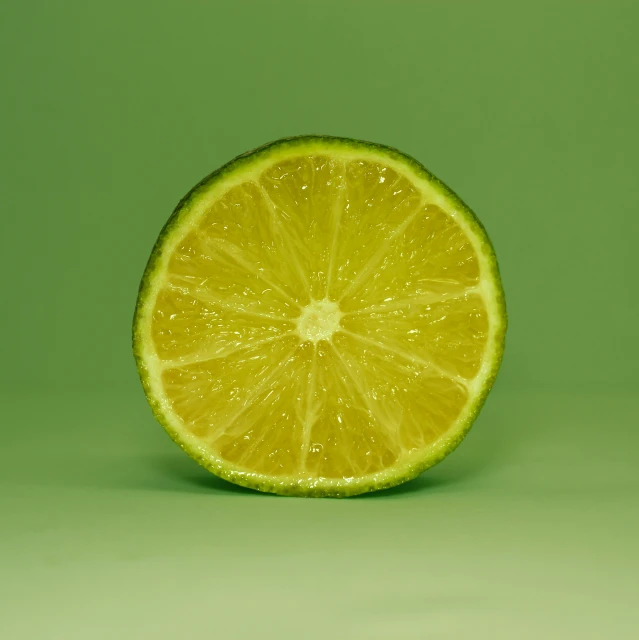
x: 322, y: 487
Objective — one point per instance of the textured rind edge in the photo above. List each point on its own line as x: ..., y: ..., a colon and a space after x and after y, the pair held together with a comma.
x: 322, y: 487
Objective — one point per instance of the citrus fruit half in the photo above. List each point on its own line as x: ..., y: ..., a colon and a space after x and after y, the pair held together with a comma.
x: 321, y: 317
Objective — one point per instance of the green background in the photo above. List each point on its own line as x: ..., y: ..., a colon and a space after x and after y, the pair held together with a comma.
x: 110, y: 112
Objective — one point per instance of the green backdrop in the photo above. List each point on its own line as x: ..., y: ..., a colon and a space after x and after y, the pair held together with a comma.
x: 110, y: 112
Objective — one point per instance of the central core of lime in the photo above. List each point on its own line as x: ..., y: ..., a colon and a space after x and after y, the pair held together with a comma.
x: 319, y: 320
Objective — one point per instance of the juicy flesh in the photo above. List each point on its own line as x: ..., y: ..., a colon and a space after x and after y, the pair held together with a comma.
x: 321, y: 320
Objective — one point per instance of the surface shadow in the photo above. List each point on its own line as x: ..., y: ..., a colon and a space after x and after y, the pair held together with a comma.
x: 186, y: 475
x: 424, y: 483
x: 488, y: 448
x: 175, y: 472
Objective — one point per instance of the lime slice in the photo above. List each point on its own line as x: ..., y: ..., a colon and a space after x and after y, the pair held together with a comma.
x: 319, y: 317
